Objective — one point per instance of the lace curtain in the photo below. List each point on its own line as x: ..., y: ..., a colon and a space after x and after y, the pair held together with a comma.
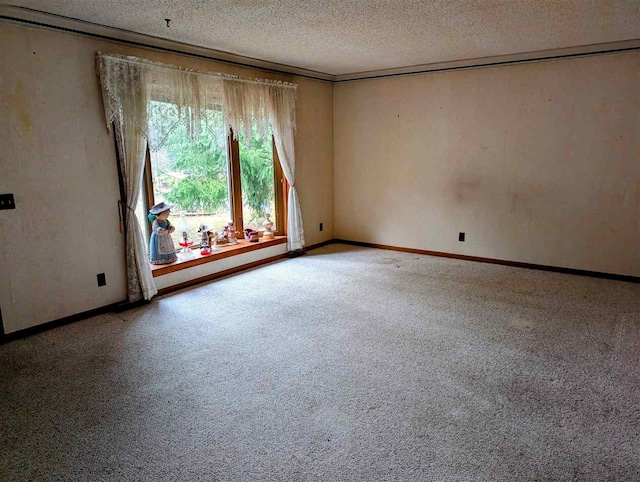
x: 146, y: 101
x: 175, y: 95
x: 125, y: 93
x: 264, y: 105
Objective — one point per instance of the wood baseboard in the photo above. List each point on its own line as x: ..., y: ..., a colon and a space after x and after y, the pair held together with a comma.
x: 32, y: 330
x: 319, y: 245
x: 516, y: 264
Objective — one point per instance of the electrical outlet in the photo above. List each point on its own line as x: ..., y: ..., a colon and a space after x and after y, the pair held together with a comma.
x: 320, y: 226
x: 461, y: 237
x: 7, y: 201
x: 102, y: 279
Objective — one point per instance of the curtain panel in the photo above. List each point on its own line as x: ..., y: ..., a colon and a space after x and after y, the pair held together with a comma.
x: 126, y: 109
x: 175, y: 95
x: 269, y: 104
x: 132, y: 88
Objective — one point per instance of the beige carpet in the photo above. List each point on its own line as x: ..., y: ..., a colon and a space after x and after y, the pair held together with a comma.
x: 343, y: 364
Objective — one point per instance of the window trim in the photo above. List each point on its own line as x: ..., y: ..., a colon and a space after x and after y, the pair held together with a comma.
x: 148, y: 187
x: 281, y: 192
x: 235, y: 183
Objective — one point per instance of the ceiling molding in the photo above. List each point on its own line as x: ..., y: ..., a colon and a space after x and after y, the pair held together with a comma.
x: 71, y: 25
x: 80, y: 27
x: 538, y: 56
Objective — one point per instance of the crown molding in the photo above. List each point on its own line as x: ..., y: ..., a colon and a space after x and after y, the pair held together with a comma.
x: 537, y: 56
x: 80, y: 27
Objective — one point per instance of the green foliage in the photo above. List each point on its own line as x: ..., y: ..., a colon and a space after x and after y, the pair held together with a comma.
x: 199, y: 195
x: 256, y: 170
x: 205, y: 184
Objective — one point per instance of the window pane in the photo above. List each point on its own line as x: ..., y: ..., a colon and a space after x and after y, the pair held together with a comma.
x: 256, y: 168
x: 192, y: 174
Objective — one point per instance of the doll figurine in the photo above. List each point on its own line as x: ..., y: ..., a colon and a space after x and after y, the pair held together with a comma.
x: 161, y: 249
x: 230, y: 229
x: 205, y: 241
x: 204, y: 235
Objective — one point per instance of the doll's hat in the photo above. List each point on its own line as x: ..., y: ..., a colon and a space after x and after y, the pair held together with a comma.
x: 160, y: 207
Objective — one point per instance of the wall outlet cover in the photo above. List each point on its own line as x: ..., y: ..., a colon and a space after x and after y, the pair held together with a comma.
x: 7, y: 201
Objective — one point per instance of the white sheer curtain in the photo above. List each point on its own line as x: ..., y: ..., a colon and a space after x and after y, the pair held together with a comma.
x: 132, y: 146
x: 263, y: 104
x: 179, y: 96
x: 127, y: 109
x: 132, y: 88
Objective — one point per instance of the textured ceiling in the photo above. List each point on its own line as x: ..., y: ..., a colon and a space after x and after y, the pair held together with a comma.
x: 348, y: 36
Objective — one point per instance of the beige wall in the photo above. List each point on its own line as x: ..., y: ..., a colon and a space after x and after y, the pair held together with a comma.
x: 537, y: 162
x: 59, y: 161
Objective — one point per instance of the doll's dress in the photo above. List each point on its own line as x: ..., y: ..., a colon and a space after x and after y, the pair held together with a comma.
x: 161, y: 249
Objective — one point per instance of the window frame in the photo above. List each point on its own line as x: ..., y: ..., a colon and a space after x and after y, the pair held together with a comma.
x: 281, y: 188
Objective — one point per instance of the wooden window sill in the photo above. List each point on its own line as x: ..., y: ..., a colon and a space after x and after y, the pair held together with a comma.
x: 218, y: 253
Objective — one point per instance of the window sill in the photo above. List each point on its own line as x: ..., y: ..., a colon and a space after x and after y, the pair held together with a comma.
x: 217, y: 254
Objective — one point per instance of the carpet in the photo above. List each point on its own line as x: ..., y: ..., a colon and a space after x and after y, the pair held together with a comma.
x: 344, y: 364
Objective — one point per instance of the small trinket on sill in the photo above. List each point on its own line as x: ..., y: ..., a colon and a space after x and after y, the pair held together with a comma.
x: 268, y: 225
x: 185, y: 242
x: 205, y: 243
x: 230, y: 230
x: 204, y: 236
x: 220, y: 239
x: 251, y: 235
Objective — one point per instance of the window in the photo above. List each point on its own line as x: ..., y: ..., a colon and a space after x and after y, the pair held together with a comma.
x: 257, y: 176
x: 262, y: 183
x: 212, y: 181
